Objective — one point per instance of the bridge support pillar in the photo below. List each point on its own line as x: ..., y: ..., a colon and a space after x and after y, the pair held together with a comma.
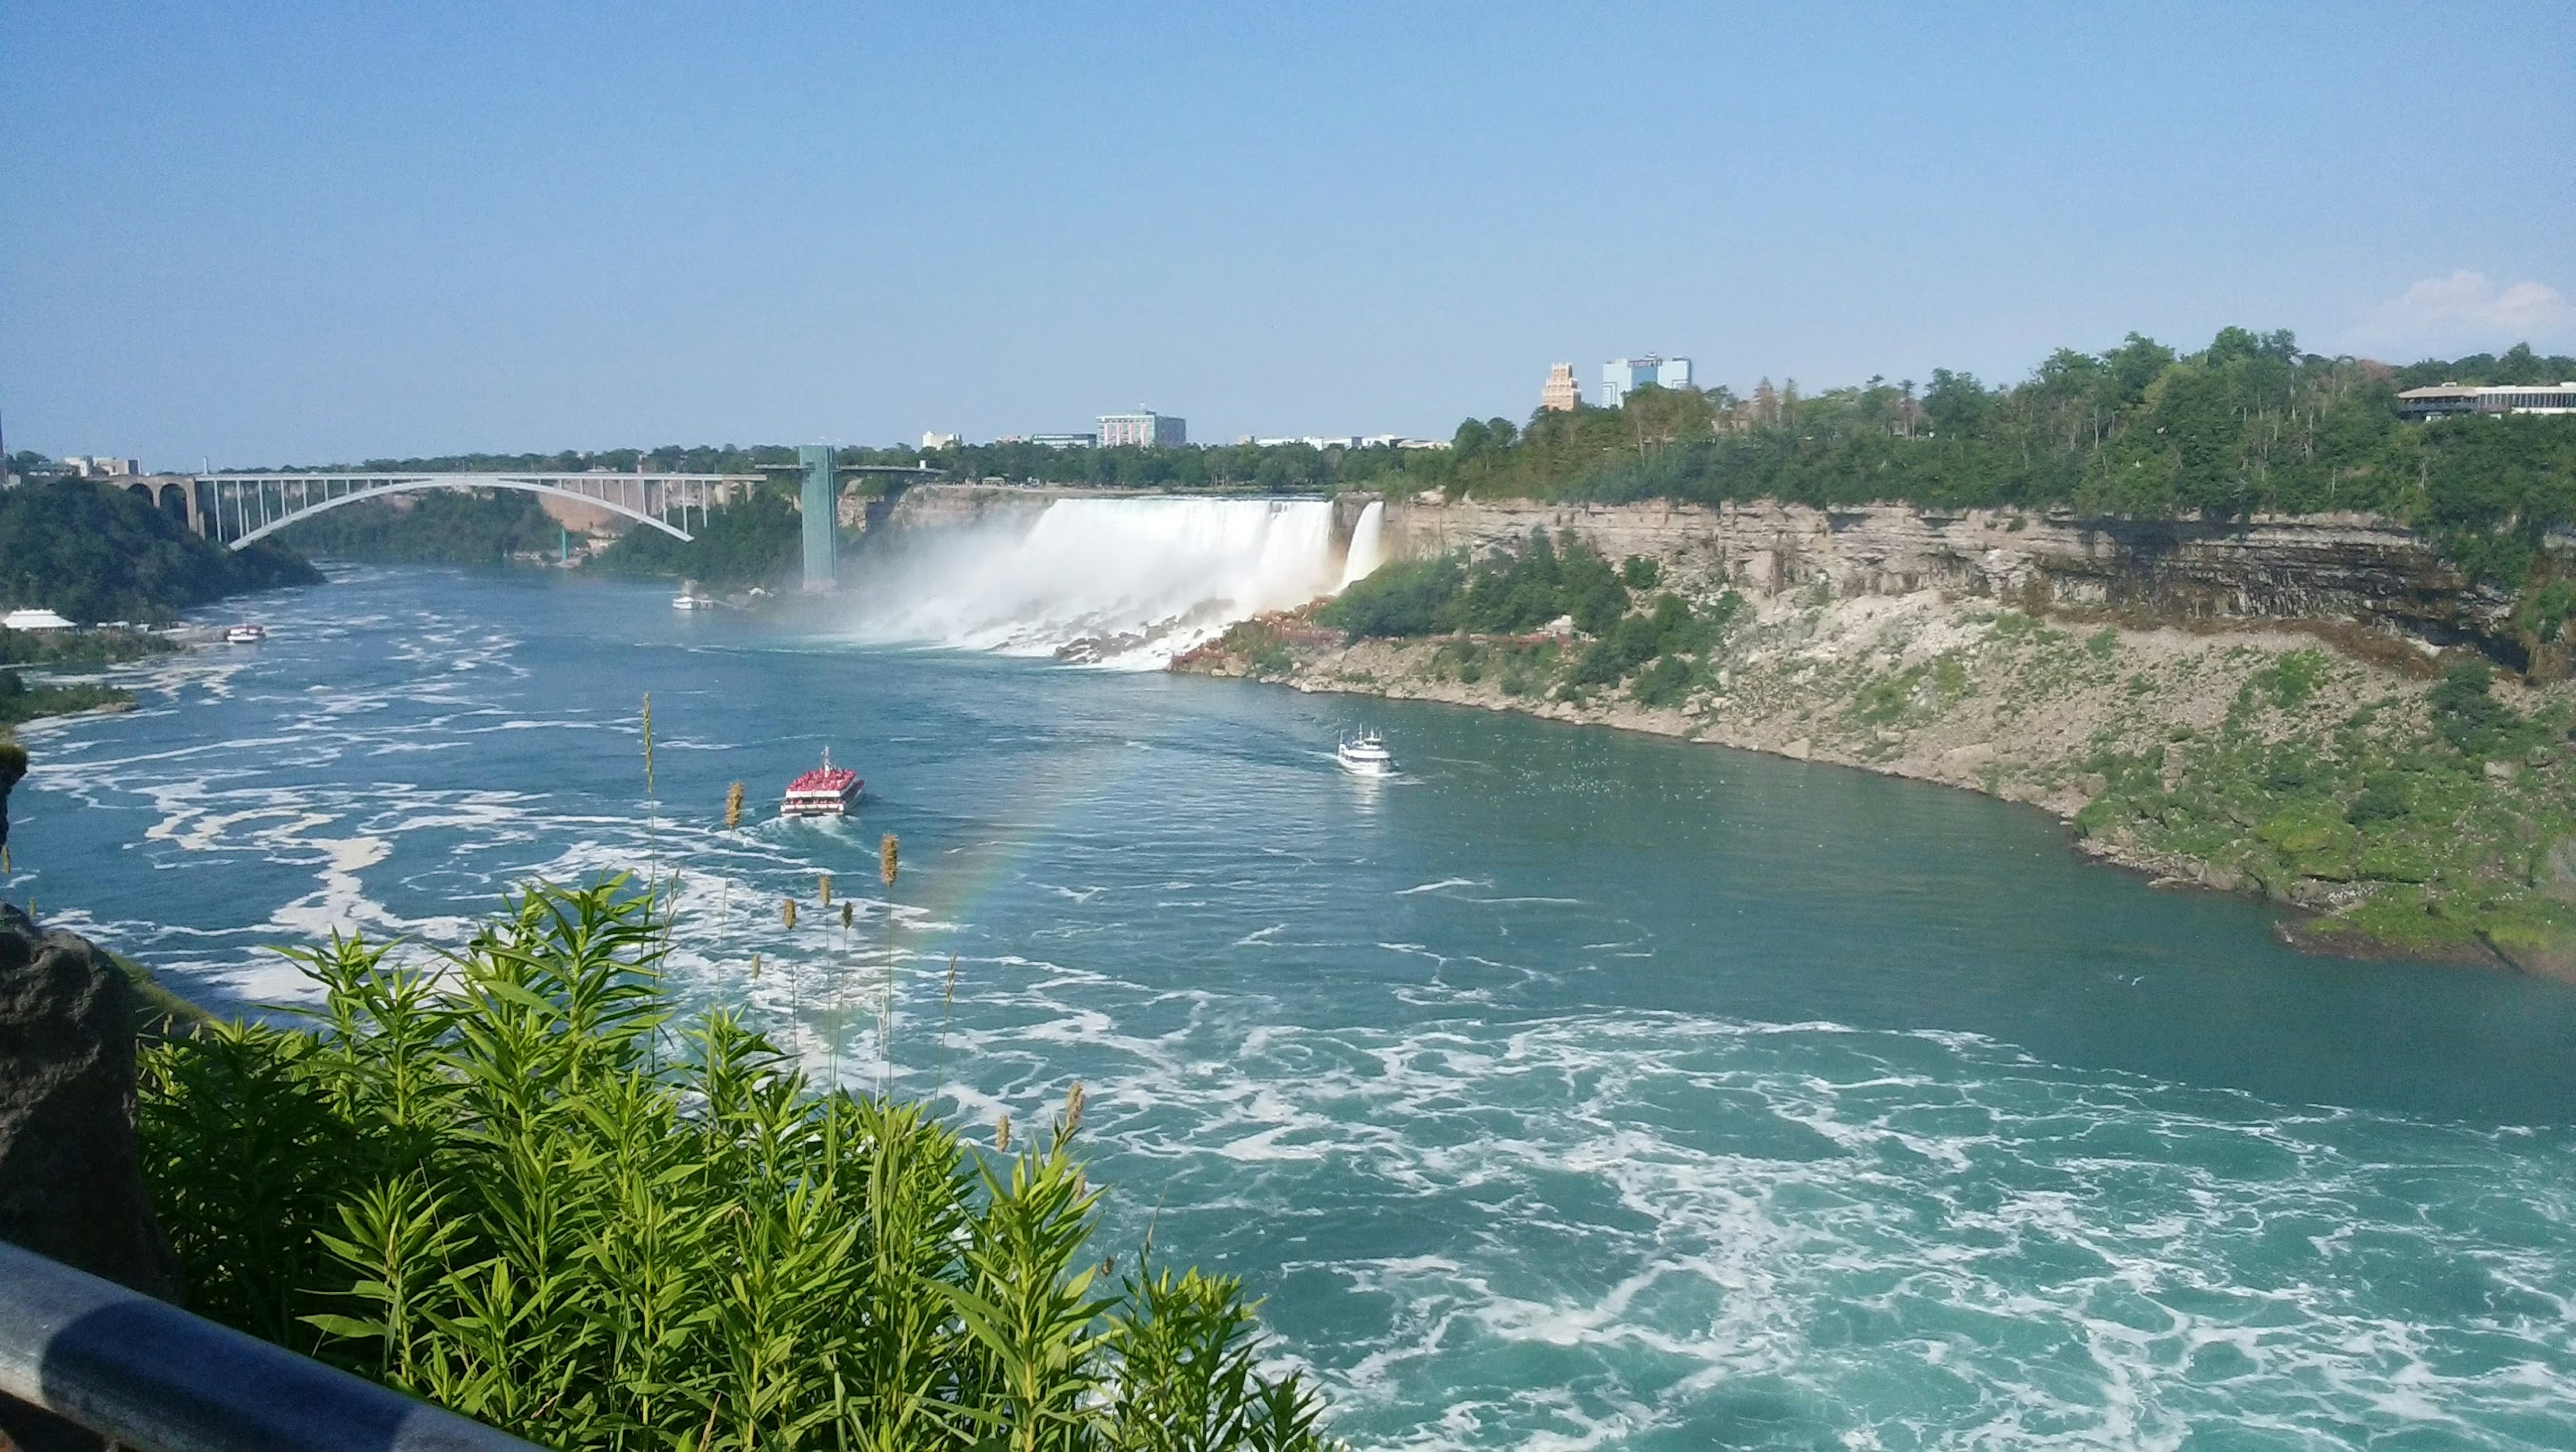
x: 821, y: 502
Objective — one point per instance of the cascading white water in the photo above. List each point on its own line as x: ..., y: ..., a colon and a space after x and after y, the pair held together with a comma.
x: 1124, y: 582
x: 1368, y: 545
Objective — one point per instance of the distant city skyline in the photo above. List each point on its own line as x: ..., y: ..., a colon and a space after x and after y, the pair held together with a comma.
x: 301, y: 233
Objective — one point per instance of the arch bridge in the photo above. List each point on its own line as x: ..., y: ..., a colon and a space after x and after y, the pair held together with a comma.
x: 235, y: 509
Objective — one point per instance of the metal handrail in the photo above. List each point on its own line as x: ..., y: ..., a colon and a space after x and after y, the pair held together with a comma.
x: 149, y: 1376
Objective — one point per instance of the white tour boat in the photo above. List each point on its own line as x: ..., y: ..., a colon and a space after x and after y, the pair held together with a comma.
x: 690, y: 599
x: 1366, y: 755
x: 245, y: 634
x: 827, y: 791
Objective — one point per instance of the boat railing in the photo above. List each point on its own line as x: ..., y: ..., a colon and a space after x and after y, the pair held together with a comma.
x: 145, y: 1375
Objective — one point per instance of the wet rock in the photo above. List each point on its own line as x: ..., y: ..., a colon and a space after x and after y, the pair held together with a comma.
x: 13, y: 767
x: 71, y: 1178
x: 2545, y: 952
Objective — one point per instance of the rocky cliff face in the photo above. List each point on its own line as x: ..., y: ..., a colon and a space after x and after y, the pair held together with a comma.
x: 13, y: 767
x: 71, y: 1180
x: 2323, y: 567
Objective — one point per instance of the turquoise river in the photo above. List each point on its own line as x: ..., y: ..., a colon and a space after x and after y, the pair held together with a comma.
x: 1572, y: 1089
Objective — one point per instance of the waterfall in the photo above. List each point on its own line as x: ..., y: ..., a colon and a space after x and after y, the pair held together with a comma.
x: 1123, y: 582
x: 1368, y: 545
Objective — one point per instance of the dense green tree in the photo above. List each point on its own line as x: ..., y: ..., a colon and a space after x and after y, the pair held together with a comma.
x: 95, y: 552
x: 757, y: 541
x: 456, y: 526
x: 2249, y: 425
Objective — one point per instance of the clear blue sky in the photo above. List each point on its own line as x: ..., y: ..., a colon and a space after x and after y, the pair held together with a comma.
x: 301, y: 233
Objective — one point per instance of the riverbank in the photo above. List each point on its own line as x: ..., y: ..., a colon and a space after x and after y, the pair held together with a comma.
x: 2396, y: 798
x: 23, y: 699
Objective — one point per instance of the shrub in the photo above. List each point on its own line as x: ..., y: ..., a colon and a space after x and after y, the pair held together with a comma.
x: 493, y: 1187
x: 2382, y: 800
x: 2464, y: 712
x: 2290, y: 680
x: 1665, y: 682
x: 1406, y: 598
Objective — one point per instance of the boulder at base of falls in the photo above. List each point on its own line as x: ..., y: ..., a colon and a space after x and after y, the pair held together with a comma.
x: 71, y: 1177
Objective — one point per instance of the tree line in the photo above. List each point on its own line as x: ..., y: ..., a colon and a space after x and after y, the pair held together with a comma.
x: 95, y: 552
x: 2249, y: 425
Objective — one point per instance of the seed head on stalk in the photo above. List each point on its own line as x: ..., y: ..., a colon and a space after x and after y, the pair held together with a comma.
x: 650, y: 869
x: 1002, y: 1134
x: 826, y: 887
x: 1073, y: 1109
x: 887, y: 865
x: 724, y: 892
x: 849, y: 912
x: 787, y: 910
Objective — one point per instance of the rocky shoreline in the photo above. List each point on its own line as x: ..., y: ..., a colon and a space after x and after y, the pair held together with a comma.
x: 2303, y: 761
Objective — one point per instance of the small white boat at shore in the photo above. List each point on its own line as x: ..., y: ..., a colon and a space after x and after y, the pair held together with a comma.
x: 245, y: 634
x: 1365, y: 755
x: 690, y: 599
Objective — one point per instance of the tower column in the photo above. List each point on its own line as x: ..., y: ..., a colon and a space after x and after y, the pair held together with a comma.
x: 821, y: 502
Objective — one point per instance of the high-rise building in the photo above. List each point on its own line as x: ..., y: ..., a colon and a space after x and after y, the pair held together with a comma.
x: 1619, y: 375
x: 1562, y: 394
x: 1152, y: 430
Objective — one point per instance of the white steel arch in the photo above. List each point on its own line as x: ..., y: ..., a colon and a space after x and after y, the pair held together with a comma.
x: 236, y: 509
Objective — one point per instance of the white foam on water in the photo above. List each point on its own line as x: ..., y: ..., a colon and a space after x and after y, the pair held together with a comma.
x: 1128, y: 583
x: 1606, y: 1228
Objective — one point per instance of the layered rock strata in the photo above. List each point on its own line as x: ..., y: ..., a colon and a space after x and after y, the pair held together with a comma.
x: 2326, y: 567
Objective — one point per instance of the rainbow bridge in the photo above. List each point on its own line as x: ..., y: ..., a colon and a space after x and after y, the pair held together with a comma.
x: 235, y: 509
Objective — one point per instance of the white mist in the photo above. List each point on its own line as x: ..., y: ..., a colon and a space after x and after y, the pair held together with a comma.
x: 1124, y: 582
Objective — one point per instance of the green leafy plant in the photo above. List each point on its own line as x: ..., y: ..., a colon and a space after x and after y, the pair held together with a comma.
x: 495, y: 1187
x: 2466, y: 713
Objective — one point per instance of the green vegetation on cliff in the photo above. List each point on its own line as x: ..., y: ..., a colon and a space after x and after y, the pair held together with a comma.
x: 23, y: 700
x: 516, y: 1188
x: 1659, y: 640
x: 2439, y: 823
x: 447, y: 526
x: 757, y: 541
x: 2248, y: 425
x: 98, y: 553
x: 58, y: 648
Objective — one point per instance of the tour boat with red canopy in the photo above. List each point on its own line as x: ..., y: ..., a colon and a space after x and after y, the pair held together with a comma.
x: 826, y: 791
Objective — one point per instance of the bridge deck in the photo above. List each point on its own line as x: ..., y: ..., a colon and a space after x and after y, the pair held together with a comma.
x: 235, y: 509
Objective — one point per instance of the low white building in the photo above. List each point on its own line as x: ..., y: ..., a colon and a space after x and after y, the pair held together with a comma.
x: 34, y: 619
x: 2452, y: 398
